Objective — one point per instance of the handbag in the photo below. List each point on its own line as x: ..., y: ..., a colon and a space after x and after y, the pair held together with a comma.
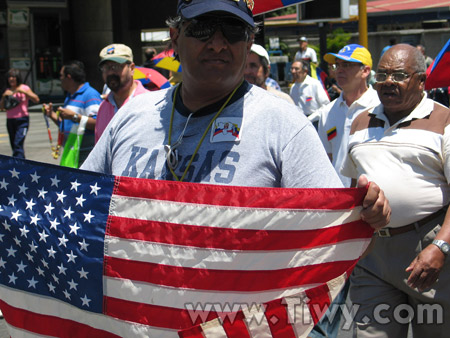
x: 71, y: 153
x: 10, y: 102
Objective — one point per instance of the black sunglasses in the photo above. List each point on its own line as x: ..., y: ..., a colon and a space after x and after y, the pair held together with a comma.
x: 204, y: 27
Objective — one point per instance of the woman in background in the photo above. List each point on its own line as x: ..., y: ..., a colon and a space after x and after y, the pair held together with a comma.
x: 17, y: 118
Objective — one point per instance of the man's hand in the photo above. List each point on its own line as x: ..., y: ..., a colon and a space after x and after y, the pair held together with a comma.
x: 425, y: 268
x: 48, y: 109
x: 66, y: 114
x: 376, y: 210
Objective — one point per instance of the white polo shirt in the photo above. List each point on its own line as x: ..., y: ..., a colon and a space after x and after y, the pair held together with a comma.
x: 334, y: 126
x: 309, y: 95
x: 309, y: 54
x: 409, y: 160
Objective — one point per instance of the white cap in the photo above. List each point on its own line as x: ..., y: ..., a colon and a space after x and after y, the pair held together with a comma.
x: 261, y: 51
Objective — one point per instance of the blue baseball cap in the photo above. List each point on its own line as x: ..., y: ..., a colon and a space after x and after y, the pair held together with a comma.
x: 351, y: 53
x: 242, y: 9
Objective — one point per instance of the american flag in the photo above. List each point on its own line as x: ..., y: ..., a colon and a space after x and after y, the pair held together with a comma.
x: 90, y: 255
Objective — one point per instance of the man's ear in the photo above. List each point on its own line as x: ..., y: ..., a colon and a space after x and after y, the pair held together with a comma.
x: 267, y: 73
x: 422, y: 79
x: 366, y: 71
x: 174, y: 34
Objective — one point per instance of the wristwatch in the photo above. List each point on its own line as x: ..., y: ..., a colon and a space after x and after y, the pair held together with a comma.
x: 76, y: 118
x: 443, y: 245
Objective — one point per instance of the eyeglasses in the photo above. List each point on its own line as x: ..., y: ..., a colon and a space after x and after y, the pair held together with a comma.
x: 113, y: 67
x: 396, y: 77
x: 203, y: 28
x: 345, y: 65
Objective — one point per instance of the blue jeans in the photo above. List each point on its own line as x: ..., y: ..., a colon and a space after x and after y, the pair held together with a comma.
x: 17, y: 130
x: 325, y: 328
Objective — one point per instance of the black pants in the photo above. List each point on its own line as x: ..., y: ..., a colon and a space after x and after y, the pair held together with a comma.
x: 17, y: 130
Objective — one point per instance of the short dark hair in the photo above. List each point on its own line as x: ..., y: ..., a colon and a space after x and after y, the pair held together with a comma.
x: 149, y: 53
x: 76, y: 71
x: 305, y: 64
x: 14, y: 72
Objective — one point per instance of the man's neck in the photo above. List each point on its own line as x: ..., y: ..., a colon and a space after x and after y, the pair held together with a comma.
x: 76, y: 87
x: 395, y: 116
x: 121, y: 96
x: 353, y: 95
x: 301, y: 80
x: 196, y: 98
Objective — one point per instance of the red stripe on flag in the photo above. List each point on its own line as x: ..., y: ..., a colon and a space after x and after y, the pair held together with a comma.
x: 223, y: 280
x: 250, y: 197
x: 320, y: 301
x: 231, y: 239
x: 49, y: 325
x: 237, y: 328
x: 153, y: 315
x: 193, y: 332
x: 278, y: 319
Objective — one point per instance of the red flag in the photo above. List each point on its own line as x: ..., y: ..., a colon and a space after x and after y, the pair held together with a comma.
x: 91, y: 255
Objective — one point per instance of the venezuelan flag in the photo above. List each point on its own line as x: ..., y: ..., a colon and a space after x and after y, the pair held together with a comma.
x: 331, y: 133
x: 437, y: 73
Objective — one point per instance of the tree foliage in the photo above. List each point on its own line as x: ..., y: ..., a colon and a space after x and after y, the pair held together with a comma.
x: 337, y: 39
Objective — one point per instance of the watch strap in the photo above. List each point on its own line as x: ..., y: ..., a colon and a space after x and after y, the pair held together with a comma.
x: 442, y: 245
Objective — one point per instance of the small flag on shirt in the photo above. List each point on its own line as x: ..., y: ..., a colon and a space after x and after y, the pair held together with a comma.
x: 331, y: 133
x: 91, y: 255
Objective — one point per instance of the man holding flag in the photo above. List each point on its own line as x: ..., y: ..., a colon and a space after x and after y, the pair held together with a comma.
x: 167, y: 260
x: 180, y: 133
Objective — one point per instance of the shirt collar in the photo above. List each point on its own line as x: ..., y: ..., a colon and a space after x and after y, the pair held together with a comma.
x: 81, y: 90
x: 212, y: 108
x: 363, y: 101
x: 423, y: 109
x: 139, y: 88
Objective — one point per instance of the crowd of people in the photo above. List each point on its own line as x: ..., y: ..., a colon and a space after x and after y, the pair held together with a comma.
x: 389, y: 133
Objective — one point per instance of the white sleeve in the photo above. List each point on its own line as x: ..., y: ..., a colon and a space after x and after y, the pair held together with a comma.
x: 349, y: 168
x: 446, y: 152
x: 321, y: 130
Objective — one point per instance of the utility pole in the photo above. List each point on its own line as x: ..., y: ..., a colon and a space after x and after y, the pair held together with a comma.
x: 362, y: 23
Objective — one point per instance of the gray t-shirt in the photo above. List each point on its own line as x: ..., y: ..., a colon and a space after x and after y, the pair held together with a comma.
x: 258, y: 140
